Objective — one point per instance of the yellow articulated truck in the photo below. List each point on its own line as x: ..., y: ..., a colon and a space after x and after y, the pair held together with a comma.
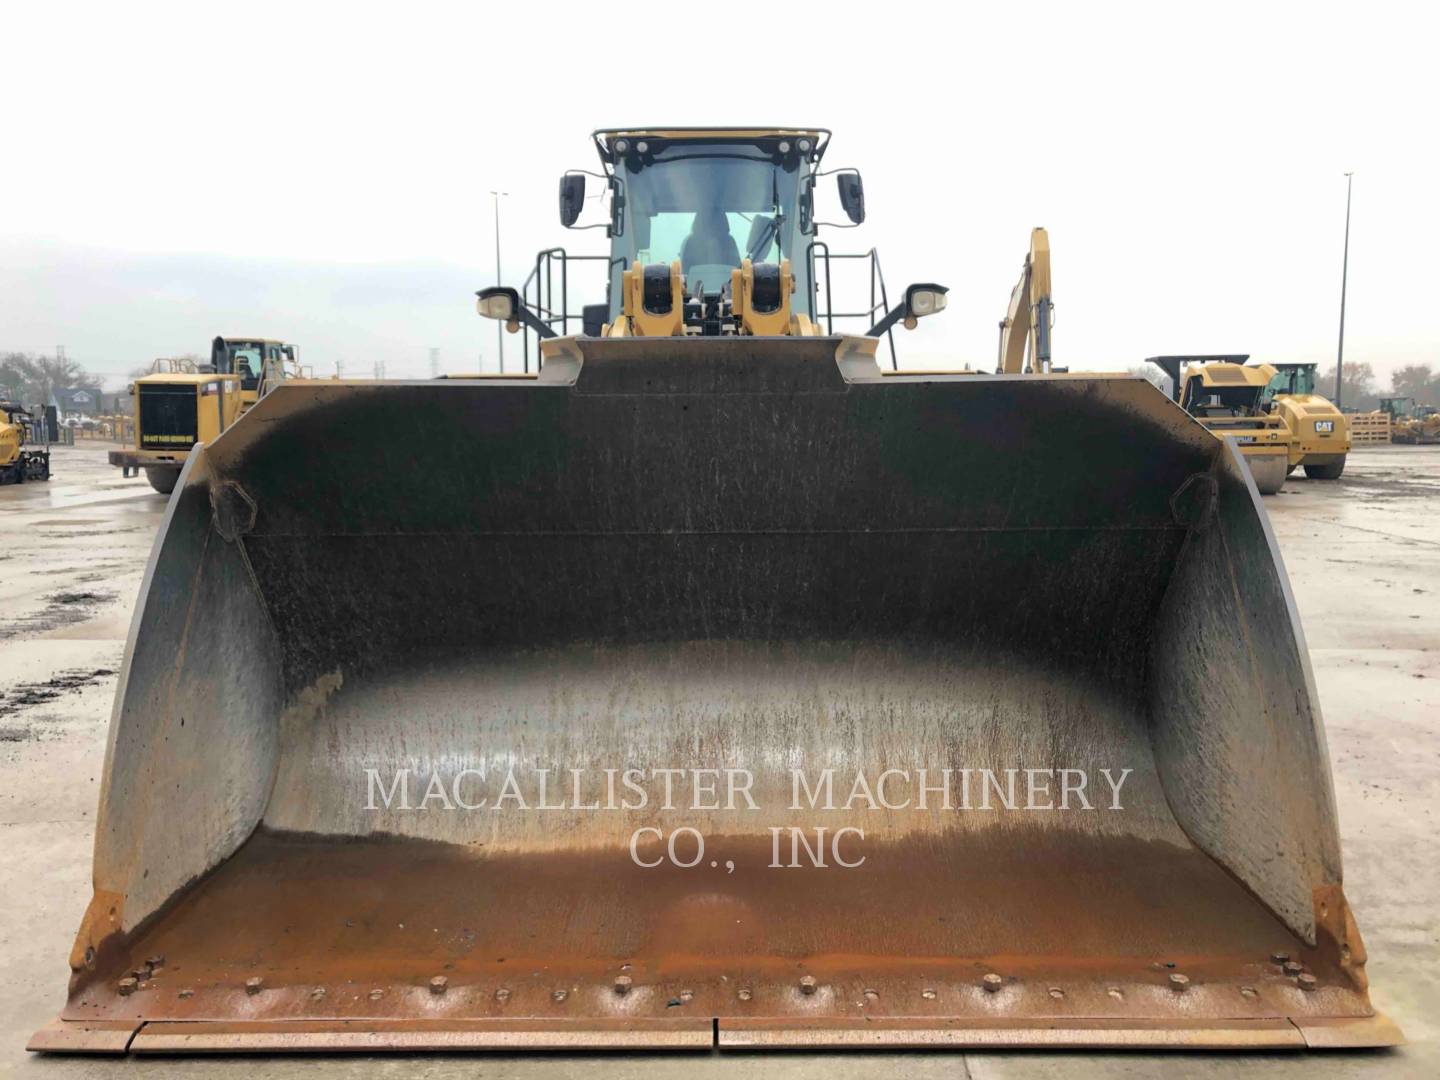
x: 1230, y: 398
x: 20, y: 458
x: 711, y: 684
x: 181, y: 403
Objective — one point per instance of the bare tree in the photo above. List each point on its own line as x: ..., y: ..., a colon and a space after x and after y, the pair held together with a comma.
x: 1359, y: 392
x: 34, y: 378
x: 1419, y: 381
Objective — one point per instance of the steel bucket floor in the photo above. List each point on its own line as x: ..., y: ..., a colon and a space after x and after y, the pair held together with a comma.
x: 1078, y: 928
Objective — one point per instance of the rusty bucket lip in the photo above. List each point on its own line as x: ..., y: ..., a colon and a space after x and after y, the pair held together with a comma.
x: 702, y: 1034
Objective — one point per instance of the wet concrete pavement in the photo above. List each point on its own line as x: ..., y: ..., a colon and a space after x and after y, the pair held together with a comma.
x: 1364, y: 559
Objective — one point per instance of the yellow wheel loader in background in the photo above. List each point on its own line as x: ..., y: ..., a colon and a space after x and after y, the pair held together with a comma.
x: 181, y: 403
x: 1229, y: 398
x: 20, y: 459
x: 707, y: 684
x: 1319, y: 432
x: 1409, y: 422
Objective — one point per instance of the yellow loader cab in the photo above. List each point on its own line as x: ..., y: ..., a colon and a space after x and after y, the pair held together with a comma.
x: 19, y: 460
x: 182, y: 403
x: 1229, y: 398
x: 1319, y: 432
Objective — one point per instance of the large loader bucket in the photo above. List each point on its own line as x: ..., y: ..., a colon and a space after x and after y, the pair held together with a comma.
x: 985, y: 697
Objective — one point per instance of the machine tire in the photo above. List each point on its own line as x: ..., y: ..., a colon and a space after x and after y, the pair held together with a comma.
x: 162, y: 480
x: 1331, y: 471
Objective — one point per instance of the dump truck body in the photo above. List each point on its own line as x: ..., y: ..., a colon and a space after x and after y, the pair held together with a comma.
x: 743, y: 557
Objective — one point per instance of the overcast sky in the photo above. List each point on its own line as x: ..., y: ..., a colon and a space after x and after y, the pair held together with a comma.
x: 321, y: 173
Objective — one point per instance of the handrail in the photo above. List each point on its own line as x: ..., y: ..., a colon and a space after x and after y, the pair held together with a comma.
x: 541, y: 282
x: 879, y: 295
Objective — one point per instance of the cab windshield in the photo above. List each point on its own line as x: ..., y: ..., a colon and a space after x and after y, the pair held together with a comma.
x: 1296, y: 380
x: 710, y: 208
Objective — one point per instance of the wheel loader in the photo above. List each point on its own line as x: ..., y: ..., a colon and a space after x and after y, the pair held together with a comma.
x: 20, y: 459
x: 180, y: 403
x: 1409, y: 422
x: 714, y: 681
x: 1229, y: 398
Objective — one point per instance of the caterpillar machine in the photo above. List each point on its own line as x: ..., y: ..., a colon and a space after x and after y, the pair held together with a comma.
x: 1319, y: 432
x: 1409, y: 422
x: 20, y: 459
x: 690, y: 688
x: 1231, y: 399
x: 181, y: 403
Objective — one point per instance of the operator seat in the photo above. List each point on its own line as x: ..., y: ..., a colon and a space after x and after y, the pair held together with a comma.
x: 709, y: 242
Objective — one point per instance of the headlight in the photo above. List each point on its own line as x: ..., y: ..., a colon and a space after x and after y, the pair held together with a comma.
x: 925, y: 302
x: 497, y: 305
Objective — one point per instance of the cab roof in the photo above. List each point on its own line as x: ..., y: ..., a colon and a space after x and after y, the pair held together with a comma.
x: 761, y: 134
x: 1226, y: 374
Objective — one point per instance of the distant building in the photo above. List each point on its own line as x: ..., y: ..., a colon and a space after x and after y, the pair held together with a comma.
x: 75, y: 404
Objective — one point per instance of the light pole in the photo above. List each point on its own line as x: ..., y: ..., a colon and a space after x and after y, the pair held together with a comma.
x: 499, y: 326
x: 1344, y: 274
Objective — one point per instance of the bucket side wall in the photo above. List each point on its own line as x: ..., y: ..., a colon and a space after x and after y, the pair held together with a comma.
x: 193, y: 737
x: 1234, y: 717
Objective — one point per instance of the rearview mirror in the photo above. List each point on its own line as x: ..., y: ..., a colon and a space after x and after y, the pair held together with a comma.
x: 572, y: 198
x: 852, y: 196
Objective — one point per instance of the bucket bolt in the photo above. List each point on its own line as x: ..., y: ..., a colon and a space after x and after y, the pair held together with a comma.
x: 439, y: 984
x: 254, y: 984
x: 992, y: 982
x: 623, y: 984
x: 127, y: 985
x: 1293, y: 967
x: 1279, y: 957
x: 1306, y: 981
x: 1179, y: 983
x: 808, y: 984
